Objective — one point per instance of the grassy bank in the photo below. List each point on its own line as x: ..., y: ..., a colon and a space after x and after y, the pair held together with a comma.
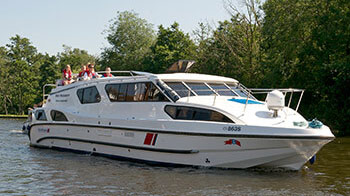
x: 12, y: 116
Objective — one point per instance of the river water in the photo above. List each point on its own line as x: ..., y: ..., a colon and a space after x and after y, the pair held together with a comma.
x: 26, y: 170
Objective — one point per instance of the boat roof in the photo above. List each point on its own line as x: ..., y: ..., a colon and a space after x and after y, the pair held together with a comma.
x: 170, y: 77
x: 194, y: 77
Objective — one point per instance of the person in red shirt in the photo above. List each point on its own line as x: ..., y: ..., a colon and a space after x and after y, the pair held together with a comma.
x: 82, y: 72
x: 90, y: 72
x: 67, y: 75
x: 108, y: 73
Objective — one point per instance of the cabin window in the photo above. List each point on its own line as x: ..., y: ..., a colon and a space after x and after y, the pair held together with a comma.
x: 200, y: 88
x: 192, y: 113
x: 134, y: 92
x: 112, y: 91
x: 238, y: 90
x: 167, y: 91
x: 88, y: 95
x: 40, y: 115
x: 154, y: 94
x: 122, y: 92
x: 58, y: 116
x: 180, y: 89
x: 222, y: 89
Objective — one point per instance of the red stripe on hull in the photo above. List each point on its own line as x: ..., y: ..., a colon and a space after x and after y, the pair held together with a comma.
x: 148, y: 139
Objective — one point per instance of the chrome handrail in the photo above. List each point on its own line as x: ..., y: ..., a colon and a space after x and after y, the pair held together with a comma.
x: 285, y: 91
x: 44, y: 95
x: 129, y: 72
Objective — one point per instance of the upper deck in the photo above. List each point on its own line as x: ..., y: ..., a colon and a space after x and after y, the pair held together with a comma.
x: 171, y: 82
x: 194, y: 77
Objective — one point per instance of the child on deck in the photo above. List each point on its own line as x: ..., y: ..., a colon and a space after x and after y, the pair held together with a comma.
x: 108, y: 73
x: 67, y: 75
x: 82, y: 72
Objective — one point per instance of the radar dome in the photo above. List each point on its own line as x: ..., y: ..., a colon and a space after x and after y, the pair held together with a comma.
x: 275, y: 101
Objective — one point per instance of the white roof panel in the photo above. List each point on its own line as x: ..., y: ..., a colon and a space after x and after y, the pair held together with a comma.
x: 193, y: 77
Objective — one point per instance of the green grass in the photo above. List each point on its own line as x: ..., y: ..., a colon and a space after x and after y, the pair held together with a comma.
x: 12, y: 116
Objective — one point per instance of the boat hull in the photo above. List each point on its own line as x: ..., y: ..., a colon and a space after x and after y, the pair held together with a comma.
x: 207, y: 150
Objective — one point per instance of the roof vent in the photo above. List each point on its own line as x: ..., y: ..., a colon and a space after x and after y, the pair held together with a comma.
x: 180, y: 66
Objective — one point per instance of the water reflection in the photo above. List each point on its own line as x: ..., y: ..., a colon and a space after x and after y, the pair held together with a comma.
x: 32, y: 171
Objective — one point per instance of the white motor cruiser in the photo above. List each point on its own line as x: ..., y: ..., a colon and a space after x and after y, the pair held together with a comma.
x: 179, y: 118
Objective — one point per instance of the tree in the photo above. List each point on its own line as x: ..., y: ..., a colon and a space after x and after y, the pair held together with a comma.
x: 307, y: 46
x: 234, y: 48
x: 5, y: 88
x: 23, y: 72
x: 130, y: 38
x: 171, y: 45
x: 74, y: 57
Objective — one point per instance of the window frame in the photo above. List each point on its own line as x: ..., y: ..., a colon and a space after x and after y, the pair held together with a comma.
x: 199, y: 91
x: 228, y: 89
x: 194, y: 113
x: 36, y: 115
x: 53, y: 114
x: 97, y: 100
x: 188, y: 90
x: 147, y: 91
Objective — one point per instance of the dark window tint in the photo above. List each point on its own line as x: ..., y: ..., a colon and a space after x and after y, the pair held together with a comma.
x: 88, y: 95
x: 112, y: 91
x: 155, y: 95
x: 221, y: 89
x: 167, y: 90
x: 191, y: 113
x: 40, y: 115
x: 238, y: 90
x: 122, y: 92
x: 80, y: 94
x: 184, y: 113
x: 130, y: 92
x: 142, y: 91
x: 180, y: 89
x: 200, y: 88
x: 58, y: 116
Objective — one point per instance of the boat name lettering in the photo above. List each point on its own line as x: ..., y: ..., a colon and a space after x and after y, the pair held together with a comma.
x: 63, y: 100
x: 62, y: 95
x: 232, y: 128
x: 45, y: 130
x: 129, y: 134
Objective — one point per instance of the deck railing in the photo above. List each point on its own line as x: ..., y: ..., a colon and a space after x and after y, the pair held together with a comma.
x: 44, y: 89
x: 254, y: 91
x: 285, y: 91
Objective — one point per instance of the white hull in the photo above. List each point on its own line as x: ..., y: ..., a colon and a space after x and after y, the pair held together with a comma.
x: 195, y: 149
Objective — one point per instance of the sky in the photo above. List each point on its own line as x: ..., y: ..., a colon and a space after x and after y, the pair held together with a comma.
x: 49, y: 24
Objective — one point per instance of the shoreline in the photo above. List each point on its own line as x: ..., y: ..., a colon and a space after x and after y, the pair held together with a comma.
x: 13, y: 116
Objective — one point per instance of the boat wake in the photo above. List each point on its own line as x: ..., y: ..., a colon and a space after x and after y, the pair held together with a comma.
x: 17, y: 131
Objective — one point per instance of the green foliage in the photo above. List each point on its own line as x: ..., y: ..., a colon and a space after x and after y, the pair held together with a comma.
x: 234, y: 48
x: 307, y: 46
x: 130, y: 38
x: 24, y: 72
x: 74, y: 57
x: 5, y: 95
x: 171, y: 45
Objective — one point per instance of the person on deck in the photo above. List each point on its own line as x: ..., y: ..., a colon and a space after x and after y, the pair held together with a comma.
x: 82, y: 72
x: 90, y: 72
x: 108, y: 73
x: 67, y: 75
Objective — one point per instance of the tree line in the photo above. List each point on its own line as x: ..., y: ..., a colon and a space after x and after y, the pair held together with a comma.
x: 276, y: 44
